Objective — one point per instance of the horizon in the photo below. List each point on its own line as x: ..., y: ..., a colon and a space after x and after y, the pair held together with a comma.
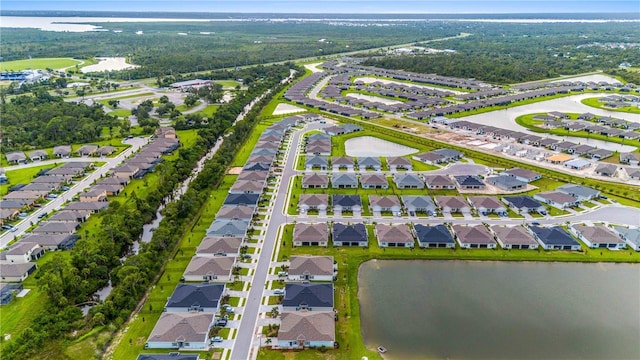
x: 334, y: 7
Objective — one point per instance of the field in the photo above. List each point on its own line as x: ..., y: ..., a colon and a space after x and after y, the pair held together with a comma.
x: 38, y: 63
x: 22, y: 176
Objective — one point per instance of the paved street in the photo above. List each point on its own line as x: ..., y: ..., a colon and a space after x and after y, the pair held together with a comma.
x: 78, y: 187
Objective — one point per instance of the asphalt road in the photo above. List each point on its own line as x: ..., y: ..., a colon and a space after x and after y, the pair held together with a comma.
x: 78, y: 187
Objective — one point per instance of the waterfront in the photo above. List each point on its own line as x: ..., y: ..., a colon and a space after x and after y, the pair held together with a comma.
x: 500, y: 310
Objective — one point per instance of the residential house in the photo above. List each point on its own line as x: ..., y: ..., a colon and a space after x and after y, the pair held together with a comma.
x: 16, y: 272
x: 127, y: 170
x: 514, y: 237
x: 209, y: 269
x: 419, y: 204
x: 396, y: 163
x: 235, y: 212
x: 308, y: 297
x: 307, y: 329
x: 394, y: 235
x: 344, y: 203
x: 87, y: 150
x: 632, y: 173
x: 257, y: 166
x: 385, y: 203
x: 629, y: 158
x: 315, y: 181
x: 582, y: 193
x: 523, y: 175
x: 22, y: 252
x: 313, y: 202
x: 316, y: 163
x: 38, y: 155
x: 62, y: 151
x: 105, y: 150
x: 558, y: 159
x: 342, y: 162
x: 631, y: 235
x: 408, y: 181
x: 366, y: 163
x: 453, y: 204
x: 242, y: 199
x: 599, y: 154
x: 597, y: 236
x: 311, y: 268
x: 344, y: 181
x: 554, y: 238
x: 233, y: 228
x: 253, y: 175
x: 247, y: 187
x: 219, y: 246
x: 449, y: 155
x: 430, y: 158
x: 350, y: 235
x: 93, y: 207
x: 52, y: 228
x: 557, y: 199
x: 311, y: 234
x: 93, y: 194
x: 470, y: 182
x: 604, y: 169
x: 577, y: 164
x: 16, y: 157
x: 180, y: 330
x: 487, y: 205
x: 52, y: 242
x: 374, y: 181
x: 474, y: 237
x: 74, y: 216
x: 507, y: 183
x: 195, y: 298
x: 436, y: 236
x: 439, y: 182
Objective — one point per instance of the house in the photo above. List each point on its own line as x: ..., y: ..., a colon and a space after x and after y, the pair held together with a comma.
x: 514, y: 237
x: 554, y: 238
x: 558, y: 115
x: 558, y: 159
x: 74, y: 216
x: 597, y: 236
x: 580, y: 149
x: 351, y: 128
x: 453, y: 204
x: 408, y: 181
x: 180, y: 330
x: 315, y: 181
x: 396, y: 163
x: 319, y: 148
x: 169, y: 356
x: 430, y: 158
x: 257, y: 166
x: 583, y: 193
x: 16, y: 272
x: 16, y: 157
x: 93, y: 194
x: 242, y: 199
x: 93, y: 207
x: 366, y: 163
x: 604, y: 169
x: 632, y: 173
x: 437, y: 236
x: 127, y: 170
x: 374, y: 181
x: 470, y: 182
x: 316, y: 163
x: 344, y: 203
x: 247, y: 187
x: 629, y: 158
x: 487, y: 205
x: 211, y: 269
x: 449, y: 155
x: 22, y: 252
x: 342, y: 162
x: 7, y: 291
x: 313, y: 202
x: 344, y: 181
x: 105, y: 150
x: 308, y: 297
x: 307, y: 329
x: 311, y: 234
x: 350, y: 235
x: 52, y: 242
x: 253, y: 175
x: 233, y: 228
x: 631, y: 235
x: 385, y: 203
x: 439, y: 182
x: 557, y: 199
x: 38, y: 155
x: 474, y: 237
x: 87, y: 150
x: 523, y: 175
x: 507, y: 183
x: 334, y: 130
x: 219, y: 246
x: 419, y: 204
x: 235, y: 212
x: 62, y: 151
x: 577, y: 164
x: 599, y: 154
x: 394, y: 235
x: 311, y: 268
x: 195, y: 298
x: 51, y: 228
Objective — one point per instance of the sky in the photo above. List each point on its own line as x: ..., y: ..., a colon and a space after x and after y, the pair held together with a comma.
x: 334, y: 6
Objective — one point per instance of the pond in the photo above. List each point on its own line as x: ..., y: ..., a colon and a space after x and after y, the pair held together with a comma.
x: 372, y: 146
x: 500, y: 310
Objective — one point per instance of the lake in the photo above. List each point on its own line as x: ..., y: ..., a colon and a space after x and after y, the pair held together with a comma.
x: 500, y: 310
x: 373, y: 146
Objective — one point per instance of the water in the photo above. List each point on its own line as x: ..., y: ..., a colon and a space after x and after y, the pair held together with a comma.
x: 373, y: 146
x: 501, y: 310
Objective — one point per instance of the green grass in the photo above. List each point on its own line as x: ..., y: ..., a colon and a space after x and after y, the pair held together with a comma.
x: 38, y: 63
x: 184, y: 107
x: 593, y: 102
x: 209, y: 110
x: 229, y: 84
x: 22, y: 176
x: 188, y: 138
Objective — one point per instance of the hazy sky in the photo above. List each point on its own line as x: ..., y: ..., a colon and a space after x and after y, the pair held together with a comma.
x: 333, y: 6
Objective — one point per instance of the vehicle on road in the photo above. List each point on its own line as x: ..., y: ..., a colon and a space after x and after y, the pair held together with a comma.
x: 7, y: 227
x: 43, y: 215
x: 278, y: 291
x: 22, y: 215
x: 535, y: 223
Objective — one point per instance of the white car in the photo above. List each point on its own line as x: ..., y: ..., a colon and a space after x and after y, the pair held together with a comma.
x: 278, y: 291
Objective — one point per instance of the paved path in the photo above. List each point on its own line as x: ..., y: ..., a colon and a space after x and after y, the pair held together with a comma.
x: 78, y: 187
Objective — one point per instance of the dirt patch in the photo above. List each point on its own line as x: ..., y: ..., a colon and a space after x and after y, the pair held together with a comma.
x: 235, y: 170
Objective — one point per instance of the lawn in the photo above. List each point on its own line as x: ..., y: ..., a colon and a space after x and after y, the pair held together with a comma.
x: 184, y: 107
x: 209, y: 110
x: 38, y: 63
x: 593, y: 102
x: 228, y: 84
x: 22, y: 176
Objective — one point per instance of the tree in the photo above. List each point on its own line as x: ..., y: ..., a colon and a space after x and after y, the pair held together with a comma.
x: 190, y: 100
